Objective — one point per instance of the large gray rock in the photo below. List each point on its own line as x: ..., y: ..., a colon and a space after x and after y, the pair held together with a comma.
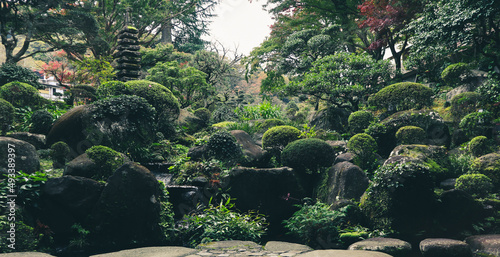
x: 489, y: 165
x: 485, y: 244
x: 442, y: 247
x: 37, y: 140
x: 191, y: 122
x: 343, y: 253
x: 230, y: 245
x: 70, y: 128
x: 185, y: 199
x: 345, y: 157
x: 457, y: 211
x: 128, y: 209
x: 273, y: 192
x: 25, y: 157
x: 394, y: 247
x: 151, y: 252
x: 433, y: 156
x: 277, y: 246
x: 26, y: 254
x: 81, y: 166
x: 345, y: 181
x: 68, y: 200
x: 253, y: 153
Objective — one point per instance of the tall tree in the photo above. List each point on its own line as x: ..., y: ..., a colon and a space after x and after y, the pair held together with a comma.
x: 387, y: 19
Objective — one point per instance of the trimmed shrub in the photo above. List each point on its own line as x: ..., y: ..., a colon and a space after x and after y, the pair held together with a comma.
x: 365, y: 147
x: 308, y: 155
x: 402, y: 96
x: 160, y: 97
x: 275, y: 139
x: 41, y: 122
x: 479, y: 145
x: 12, y: 72
x: 463, y: 104
x: 113, y: 88
x: 106, y: 159
x: 476, y: 124
x: 59, y: 154
x: 488, y: 165
x: 456, y: 73
x: 359, y: 121
x: 20, y: 94
x: 223, y: 113
x: 264, y: 125
x: 125, y: 123
x: 6, y: 116
x: 477, y: 185
x: 204, y: 114
x: 223, y: 146
x: 409, y: 135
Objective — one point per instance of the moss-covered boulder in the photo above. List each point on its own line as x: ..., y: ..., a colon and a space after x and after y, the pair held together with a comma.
x: 400, y: 197
x: 344, y: 181
x: 489, y: 165
x: 385, y: 131
x: 434, y: 157
x: 25, y: 158
x: 70, y: 129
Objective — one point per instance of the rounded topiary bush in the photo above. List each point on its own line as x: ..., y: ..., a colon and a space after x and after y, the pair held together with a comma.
x: 475, y: 184
x: 464, y: 103
x: 6, y: 116
x: 160, y: 97
x: 125, y: 123
x: 476, y: 124
x: 308, y: 154
x: 479, y: 145
x: 223, y: 146
x: 456, y: 73
x: 59, y: 154
x: 276, y: 138
x: 112, y: 88
x: 41, y: 122
x: 409, y: 135
x: 365, y: 147
x: 359, y: 121
x: 20, y: 94
x: 106, y: 159
x: 402, y: 96
x: 12, y: 72
x: 204, y: 114
x: 269, y: 123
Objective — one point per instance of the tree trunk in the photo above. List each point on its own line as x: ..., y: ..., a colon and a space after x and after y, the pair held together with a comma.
x: 166, y: 33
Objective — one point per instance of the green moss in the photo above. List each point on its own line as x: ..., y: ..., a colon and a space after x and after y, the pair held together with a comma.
x: 408, y: 135
x: 478, y: 185
x: 402, y: 96
x: 223, y: 124
x: 463, y: 104
x: 106, y: 159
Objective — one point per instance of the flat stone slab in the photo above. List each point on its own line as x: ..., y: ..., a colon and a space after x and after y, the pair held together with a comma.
x: 343, y: 253
x: 486, y: 244
x: 230, y: 245
x: 169, y: 251
x: 26, y: 254
x: 443, y: 247
x: 392, y: 246
x: 276, y: 246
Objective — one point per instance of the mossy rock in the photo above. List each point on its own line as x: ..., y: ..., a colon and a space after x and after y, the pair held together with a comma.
x: 463, y: 104
x: 475, y: 184
x: 479, y: 146
x: 70, y: 129
x: 106, y: 159
x: 224, y: 124
x: 489, y: 165
x: 435, y: 158
x: 385, y: 131
x: 477, y: 124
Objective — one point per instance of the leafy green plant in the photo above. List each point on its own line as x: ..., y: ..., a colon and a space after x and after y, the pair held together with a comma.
x: 6, y: 116
x: 223, y: 146
x: 478, y: 185
x: 264, y: 110
x: 22, y: 119
x: 221, y: 223
x: 479, y: 145
x: 80, y: 240
x: 12, y: 72
x: 41, y: 122
x: 460, y: 164
x: 223, y: 113
x: 246, y: 126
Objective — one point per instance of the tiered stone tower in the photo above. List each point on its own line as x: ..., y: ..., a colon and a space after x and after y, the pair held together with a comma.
x: 127, y: 55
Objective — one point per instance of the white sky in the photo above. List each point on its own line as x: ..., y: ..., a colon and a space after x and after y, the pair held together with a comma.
x: 241, y: 24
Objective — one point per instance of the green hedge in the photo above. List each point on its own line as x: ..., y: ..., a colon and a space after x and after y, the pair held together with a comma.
x: 276, y: 138
x: 402, y: 96
x: 20, y: 94
x: 409, y: 135
x: 106, y: 159
x: 308, y: 155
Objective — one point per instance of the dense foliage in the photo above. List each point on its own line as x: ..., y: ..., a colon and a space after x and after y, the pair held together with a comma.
x: 359, y: 121
x: 276, y: 138
x: 409, y: 135
x: 402, y: 96
x: 6, y: 116
x: 474, y: 184
x: 20, y: 94
x: 308, y: 155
